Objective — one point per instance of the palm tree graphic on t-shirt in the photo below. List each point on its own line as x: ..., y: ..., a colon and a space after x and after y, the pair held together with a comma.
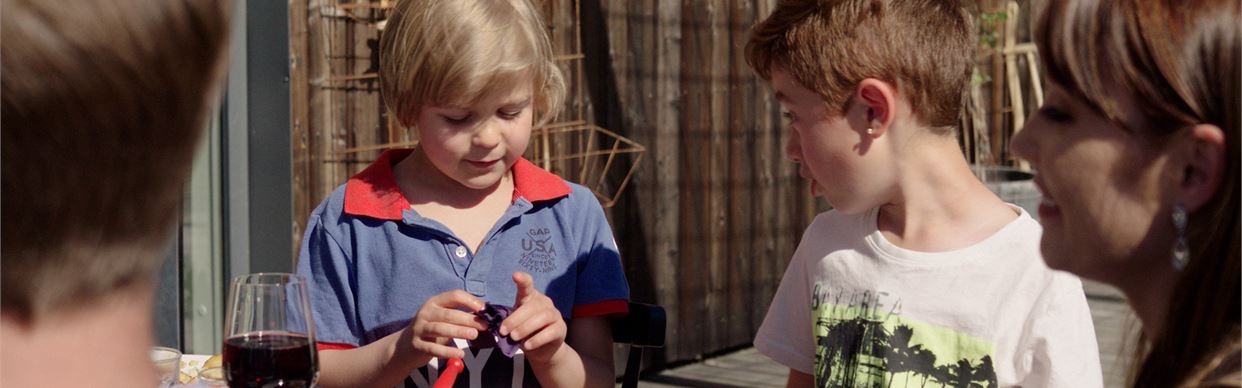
x: 861, y: 352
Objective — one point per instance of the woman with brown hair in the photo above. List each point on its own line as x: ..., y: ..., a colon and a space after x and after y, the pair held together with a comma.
x: 1137, y: 149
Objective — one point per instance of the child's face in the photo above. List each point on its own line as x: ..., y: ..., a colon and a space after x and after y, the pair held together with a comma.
x: 476, y: 145
x: 1101, y: 186
x: 829, y: 149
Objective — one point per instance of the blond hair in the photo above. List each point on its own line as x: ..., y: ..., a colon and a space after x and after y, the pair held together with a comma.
x: 103, y: 105
x: 924, y: 47
x: 1181, y: 64
x: 453, y: 53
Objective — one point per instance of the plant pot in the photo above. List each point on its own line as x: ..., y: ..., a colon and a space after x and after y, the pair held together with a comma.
x: 1011, y: 185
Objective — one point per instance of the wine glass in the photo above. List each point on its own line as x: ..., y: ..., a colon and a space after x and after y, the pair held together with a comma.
x: 270, y: 332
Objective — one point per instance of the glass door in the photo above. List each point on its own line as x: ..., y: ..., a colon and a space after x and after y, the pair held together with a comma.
x: 202, y: 256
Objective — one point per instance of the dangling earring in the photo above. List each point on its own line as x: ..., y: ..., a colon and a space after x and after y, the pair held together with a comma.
x: 1181, y: 250
x: 870, y: 131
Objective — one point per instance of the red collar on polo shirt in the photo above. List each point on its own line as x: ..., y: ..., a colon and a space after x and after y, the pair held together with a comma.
x: 374, y: 192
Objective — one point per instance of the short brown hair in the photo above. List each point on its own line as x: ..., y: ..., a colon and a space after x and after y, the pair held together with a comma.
x: 455, y: 52
x: 103, y: 103
x: 1181, y: 64
x: 924, y: 47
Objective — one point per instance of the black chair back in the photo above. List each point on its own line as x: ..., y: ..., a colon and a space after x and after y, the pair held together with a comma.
x: 642, y: 328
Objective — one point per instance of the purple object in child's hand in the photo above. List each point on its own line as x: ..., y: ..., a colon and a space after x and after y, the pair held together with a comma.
x: 494, y: 314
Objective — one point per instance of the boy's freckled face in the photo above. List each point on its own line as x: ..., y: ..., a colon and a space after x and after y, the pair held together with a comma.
x: 477, y: 145
x: 825, y: 147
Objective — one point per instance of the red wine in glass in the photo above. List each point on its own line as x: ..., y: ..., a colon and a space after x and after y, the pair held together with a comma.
x: 270, y: 333
x: 268, y: 359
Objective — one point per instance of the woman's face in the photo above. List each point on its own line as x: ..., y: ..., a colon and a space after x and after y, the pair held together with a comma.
x: 1103, y: 187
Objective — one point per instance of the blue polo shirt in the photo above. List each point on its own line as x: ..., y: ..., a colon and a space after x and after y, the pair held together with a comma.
x: 372, y: 261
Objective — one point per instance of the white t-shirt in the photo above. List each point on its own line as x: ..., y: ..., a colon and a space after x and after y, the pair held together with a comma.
x: 855, y: 310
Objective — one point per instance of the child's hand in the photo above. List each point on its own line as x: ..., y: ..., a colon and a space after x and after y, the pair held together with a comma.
x: 535, y: 321
x: 440, y: 320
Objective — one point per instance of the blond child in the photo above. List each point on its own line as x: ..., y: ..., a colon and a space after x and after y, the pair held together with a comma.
x: 919, y: 274
x: 403, y: 254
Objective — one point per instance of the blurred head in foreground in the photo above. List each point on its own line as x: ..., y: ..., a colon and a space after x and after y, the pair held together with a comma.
x: 103, y: 104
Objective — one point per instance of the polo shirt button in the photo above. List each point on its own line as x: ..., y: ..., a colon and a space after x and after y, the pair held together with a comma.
x: 461, y: 252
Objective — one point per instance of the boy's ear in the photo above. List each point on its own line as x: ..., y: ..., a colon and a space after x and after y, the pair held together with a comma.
x: 878, y: 100
x: 1202, y: 165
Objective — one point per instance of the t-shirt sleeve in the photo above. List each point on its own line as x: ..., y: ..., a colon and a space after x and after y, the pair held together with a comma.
x: 601, y: 286
x: 785, y: 335
x: 329, y: 270
x: 1060, y: 342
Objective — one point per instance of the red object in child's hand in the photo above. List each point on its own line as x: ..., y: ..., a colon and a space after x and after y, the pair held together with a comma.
x: 449, y: 376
